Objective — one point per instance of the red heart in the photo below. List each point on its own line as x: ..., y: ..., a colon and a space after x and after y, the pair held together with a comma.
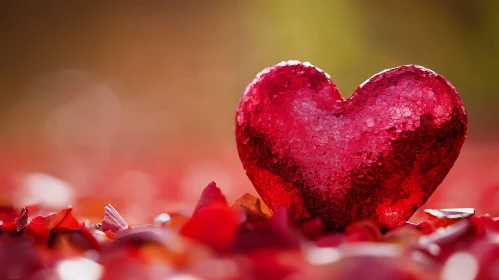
x: 377, y: 155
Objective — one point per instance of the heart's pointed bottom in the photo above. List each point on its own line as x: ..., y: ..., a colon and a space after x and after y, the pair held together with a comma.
x: 377, y: 156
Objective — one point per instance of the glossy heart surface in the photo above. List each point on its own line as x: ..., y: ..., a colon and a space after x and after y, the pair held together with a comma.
x: 377, y: 155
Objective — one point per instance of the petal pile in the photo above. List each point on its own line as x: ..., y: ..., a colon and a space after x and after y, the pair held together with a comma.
x: 245, y: 240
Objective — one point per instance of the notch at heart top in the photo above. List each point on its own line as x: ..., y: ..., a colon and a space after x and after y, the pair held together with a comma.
x: 377, y: 155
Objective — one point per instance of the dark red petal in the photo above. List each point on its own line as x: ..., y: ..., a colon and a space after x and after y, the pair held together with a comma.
x: 331, y: 240
x: 53, y: 220
x: 11, y: 223
x: 22, y: 221
x: 19, y: 260
x: 9, y: 226
x: 211, y: 195
x: 281, y: 217
x: 265, y: 237
x: 426, y: 227
x: 68, y: 222
x: 486, y: 225
x: 363, y: 231
x: 7, y: 214
x: 39, y: 232
x: 89, y: 237
x: 313, y: 228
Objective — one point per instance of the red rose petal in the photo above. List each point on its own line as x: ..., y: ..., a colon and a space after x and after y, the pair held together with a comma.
x: 426, y: 227
x: 313, y: 228
x: 67, y: 223
x: 274, y: 233
x: 93, y: 243
x: 214, y: 225
x: 9, y: 226
x: 22, y: 221
x: 63, y: 220
x: 281, y: 217
x: 17, y: 224
x: 265, y: 237
x: 8, y: 216
x: 38, y: 231
x: 211, y: 195
x: 40, y: 227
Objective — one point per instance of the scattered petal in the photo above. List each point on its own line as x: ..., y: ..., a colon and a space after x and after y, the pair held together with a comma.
x: 265, y: 237
x: 253, y: 204
x: 22, y: 221
x: 211, y: 195
x: 214, y: 225
x: 313, y: 228
x: 363, y: 231
x: 112, y: 221
x: 446, y: 217
x: 281, y: 217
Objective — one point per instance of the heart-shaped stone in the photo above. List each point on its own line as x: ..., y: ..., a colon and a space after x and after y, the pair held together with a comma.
x: 377, y: 155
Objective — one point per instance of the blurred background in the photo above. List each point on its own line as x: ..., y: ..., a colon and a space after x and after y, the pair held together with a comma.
x: 132, y: 102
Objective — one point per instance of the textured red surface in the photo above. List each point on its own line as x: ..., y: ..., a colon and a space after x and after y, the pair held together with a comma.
x: 377, y: 155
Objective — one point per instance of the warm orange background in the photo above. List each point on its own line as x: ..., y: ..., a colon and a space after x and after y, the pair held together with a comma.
x: 133, y: 104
